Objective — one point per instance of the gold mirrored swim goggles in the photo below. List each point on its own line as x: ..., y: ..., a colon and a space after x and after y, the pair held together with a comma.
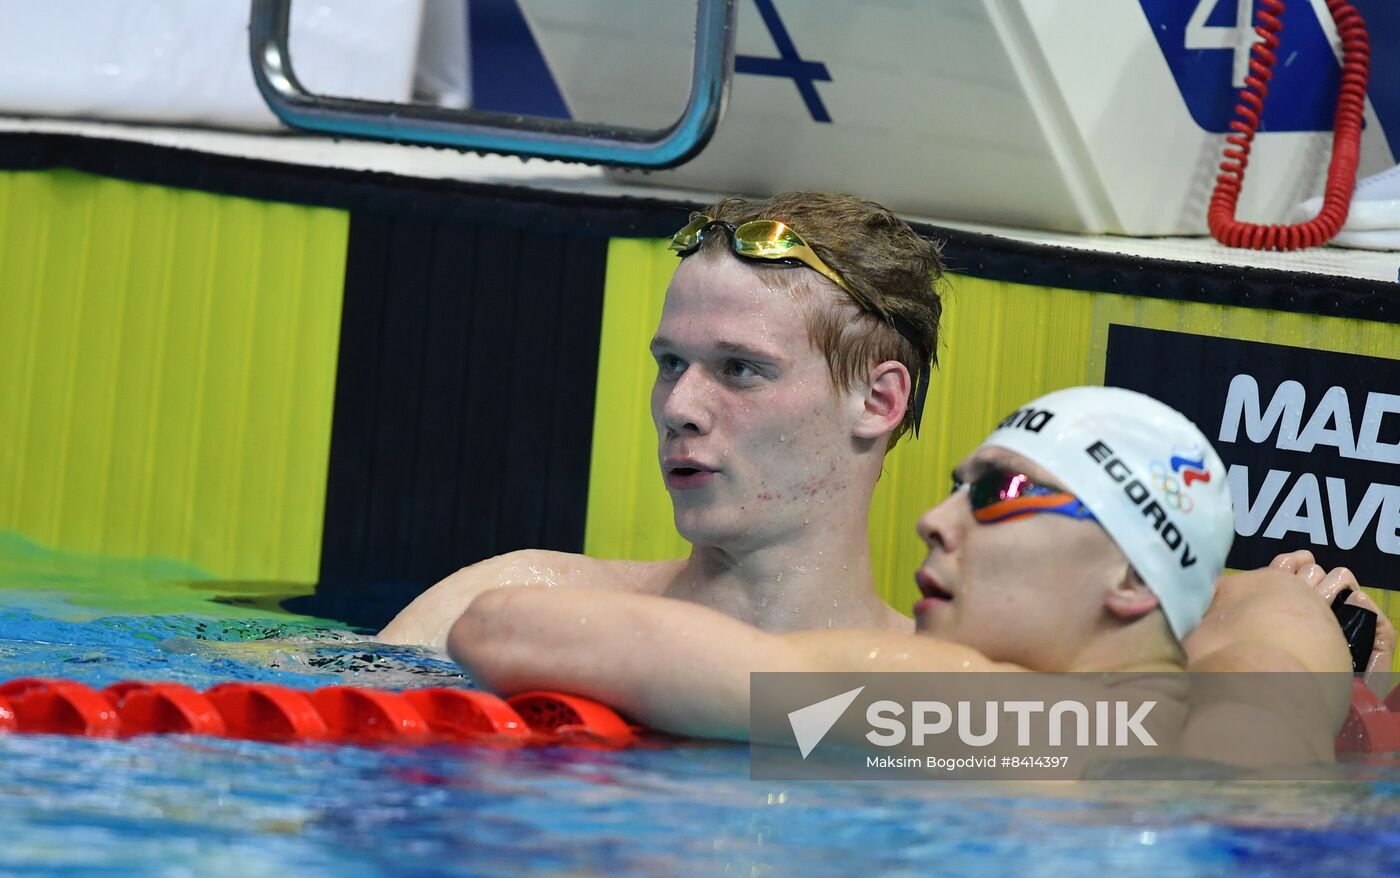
x: 769, y: 240
x: 765, y: 240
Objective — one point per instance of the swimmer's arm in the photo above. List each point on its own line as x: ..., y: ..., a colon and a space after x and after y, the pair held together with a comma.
x: 1276, y: 606
x: 426, y: 621
x: 1256, y: 714
x: 668, y: 664
x: 1270, y: 621
x: 673, y: 666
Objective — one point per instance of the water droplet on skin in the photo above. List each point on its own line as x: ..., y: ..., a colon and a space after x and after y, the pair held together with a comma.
x: 782, y: 437
x: 966, y: 663
x: 583, y: 620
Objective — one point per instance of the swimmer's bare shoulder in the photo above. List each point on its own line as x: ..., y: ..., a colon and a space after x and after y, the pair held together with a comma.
x: 426, y: 621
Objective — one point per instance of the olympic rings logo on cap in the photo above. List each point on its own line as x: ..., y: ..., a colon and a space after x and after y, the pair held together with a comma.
x: 1172, y: 491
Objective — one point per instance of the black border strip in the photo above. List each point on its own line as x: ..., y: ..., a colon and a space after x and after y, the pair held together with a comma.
x: 464, y: 402
x: 979, y: 255
x: 371, y: 192
x: 996, y: 258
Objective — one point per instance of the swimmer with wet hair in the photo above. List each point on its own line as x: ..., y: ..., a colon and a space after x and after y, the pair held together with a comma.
x: 1063, y: 546
x: 794, y: 350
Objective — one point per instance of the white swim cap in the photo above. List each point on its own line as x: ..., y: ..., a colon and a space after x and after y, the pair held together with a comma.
x: 1149, y: 476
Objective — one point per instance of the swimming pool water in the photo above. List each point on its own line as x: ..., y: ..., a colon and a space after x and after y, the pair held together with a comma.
x: 180, y: 806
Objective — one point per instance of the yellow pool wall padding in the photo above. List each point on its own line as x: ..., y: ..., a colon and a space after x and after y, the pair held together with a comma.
x: 170, y: 361
x: 1002, y: 345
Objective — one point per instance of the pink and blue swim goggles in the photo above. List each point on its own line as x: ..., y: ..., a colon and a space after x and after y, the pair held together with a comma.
x: 1005, y: 495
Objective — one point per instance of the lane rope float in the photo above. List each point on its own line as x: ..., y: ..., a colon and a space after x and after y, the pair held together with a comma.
x: 333, y: 714
x: 354, y: 715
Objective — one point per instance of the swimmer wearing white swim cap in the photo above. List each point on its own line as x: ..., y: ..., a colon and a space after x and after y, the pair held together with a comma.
x: 1084, y: 535
x: 1086, y: 510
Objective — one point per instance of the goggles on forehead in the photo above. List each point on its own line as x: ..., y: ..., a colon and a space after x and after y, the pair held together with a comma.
x: 768, y: 240
x: 1004, y: 495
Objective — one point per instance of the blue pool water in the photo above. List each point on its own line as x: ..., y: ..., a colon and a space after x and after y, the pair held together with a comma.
x: 181, y: 806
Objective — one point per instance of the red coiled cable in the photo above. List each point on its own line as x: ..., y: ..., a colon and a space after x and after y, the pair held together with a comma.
x: 1346, y: 137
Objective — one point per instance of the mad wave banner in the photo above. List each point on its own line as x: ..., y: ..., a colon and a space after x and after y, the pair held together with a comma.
x: 1310, y: 440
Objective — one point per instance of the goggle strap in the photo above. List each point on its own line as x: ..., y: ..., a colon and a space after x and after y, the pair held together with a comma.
x: 1008, y: 516
x: 918, y: 395
x: 1055, y: 503
x: 1010, y: 510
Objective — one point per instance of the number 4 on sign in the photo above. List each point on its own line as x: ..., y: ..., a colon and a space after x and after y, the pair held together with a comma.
x: 1237, y: 37
x: 1240, y: 36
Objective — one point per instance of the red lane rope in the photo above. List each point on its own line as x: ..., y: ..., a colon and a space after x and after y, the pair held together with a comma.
x: 573, y: 719
x: 1346, y: 137
x: 336, y: 714
x: 345, y: 715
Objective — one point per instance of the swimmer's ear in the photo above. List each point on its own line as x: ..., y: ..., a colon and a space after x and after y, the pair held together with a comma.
x: 886, y: 398
x: 1130, y: 598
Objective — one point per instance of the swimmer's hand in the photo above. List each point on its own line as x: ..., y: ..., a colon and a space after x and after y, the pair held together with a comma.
x: 1328, y: 584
